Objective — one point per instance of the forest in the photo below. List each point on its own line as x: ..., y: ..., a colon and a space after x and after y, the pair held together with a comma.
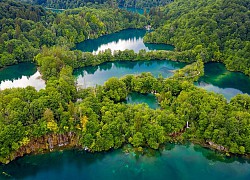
x: 101, y: 121
x: 69, y: 4
x: 220, y: 29
x: 98, y: 116
x: 24, y: 29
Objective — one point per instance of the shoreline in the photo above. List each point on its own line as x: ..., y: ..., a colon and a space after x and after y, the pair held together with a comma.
x: 171, y: 59
x: 70, y: 141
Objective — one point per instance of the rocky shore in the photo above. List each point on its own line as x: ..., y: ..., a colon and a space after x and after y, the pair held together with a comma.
x: 46, y: 143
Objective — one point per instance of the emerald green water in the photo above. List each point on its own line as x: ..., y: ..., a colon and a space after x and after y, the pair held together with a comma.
x: 126, y: 39
x: 222, y: 81
x: 216, y: 78
x: 92, y: 75
x: 21, y: 75
x: 134, y: 10
x: 171, y: 162
x: 137, y: 98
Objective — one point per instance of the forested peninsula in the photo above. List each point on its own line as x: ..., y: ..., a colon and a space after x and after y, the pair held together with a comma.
x: 97, y: 119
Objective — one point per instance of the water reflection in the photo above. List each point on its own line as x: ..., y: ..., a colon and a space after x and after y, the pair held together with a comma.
x: 219, y: 80
x: 90, y: 76
x: 138, y: 98
x: 134, y: 10
x: 21, y: 75
x: 126, y: 39
x: 174, y: 161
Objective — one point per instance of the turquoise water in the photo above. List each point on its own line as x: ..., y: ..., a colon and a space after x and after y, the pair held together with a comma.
x: 137, y: 98
x: 171, y: 162
x: 134, y: 10
x: 126, y: 39
x: 21, y: 75
x: 92, y: 75
x: 218, y: 79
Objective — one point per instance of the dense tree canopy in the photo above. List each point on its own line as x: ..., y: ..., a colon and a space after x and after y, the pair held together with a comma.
x: 218, y: 29
x: 201, y: 30
x: 24, y: 29
x: 102, y: 121
x: 68, y: 4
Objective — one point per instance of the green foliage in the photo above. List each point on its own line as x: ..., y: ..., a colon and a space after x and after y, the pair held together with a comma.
x: 190, y: 72
x: 215, y: 30
x: 62, y: 4
x: 102, y: 121
x: 98, y: 115
x: 52, y: 60
x: 115, y: 89
x: 20, y: 10
x: 24, y: 29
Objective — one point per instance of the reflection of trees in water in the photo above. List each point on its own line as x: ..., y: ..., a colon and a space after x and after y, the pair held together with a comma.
x: 84, y: 70
x: 91, y: 69
x: 29, y: 166
x: 106, y: 66
x: 138, y: 98
x: 169, y: 146
x: 93, y: 44
x: 217, y: 75
x: 17, y: 71
x: 218, y: 156
x: 153, y: 46
x: 125, y: 64
x: 171, y: 65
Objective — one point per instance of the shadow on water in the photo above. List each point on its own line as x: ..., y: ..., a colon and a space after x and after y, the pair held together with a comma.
x: 15, y: 72
x: 31, y: 165
x: 215, y: 156
x: 152, y: 46
x: 125, y: 39
x: 171, y: 160
x: 217, y: 75
x: 138, y: 98
x: 91, y: 45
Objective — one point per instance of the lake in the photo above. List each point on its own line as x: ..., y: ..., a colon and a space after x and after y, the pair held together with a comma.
x: 21, y: 75
x: 92, y: 75
x: 171, y: 162
x: 125, y: 39
x: 216, y: 78
x: 134, y: 10
x: 138, y: 98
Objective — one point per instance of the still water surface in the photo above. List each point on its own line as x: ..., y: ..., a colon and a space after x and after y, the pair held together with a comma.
x: 126, y: 39
x: 172, y: 162
x: 138, y: 98
x: 216, y: 78
x: 90, y: 76
x: 21, y: 75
